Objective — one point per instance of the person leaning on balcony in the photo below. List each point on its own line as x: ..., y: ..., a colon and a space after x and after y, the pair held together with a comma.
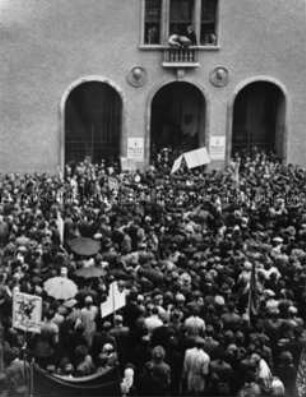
x: 174, y: 40
x: 183, y: 40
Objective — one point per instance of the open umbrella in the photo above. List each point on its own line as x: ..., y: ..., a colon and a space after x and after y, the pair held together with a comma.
x: 60, y: 288
x: 84, y: 246
x: 90, y: 272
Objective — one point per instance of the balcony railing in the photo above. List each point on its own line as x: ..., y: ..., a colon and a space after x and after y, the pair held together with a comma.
x: 180, y: 58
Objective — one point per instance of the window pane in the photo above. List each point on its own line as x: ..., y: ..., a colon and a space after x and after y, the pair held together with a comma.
x: 181, y: 15
x: 152, y: 22
x: 208, y: 22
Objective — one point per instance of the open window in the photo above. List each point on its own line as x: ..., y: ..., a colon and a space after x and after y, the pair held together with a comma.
x: 181, y: 16
x: 162, y: 18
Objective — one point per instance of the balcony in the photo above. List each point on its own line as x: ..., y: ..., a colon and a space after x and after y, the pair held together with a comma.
x: 180, y: 58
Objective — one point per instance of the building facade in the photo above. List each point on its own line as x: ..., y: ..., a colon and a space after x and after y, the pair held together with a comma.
x: 99, y: 78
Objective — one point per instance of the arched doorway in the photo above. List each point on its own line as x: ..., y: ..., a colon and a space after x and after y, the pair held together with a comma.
x: 93, y: 119
x: 259, y: 118
x: 178, y: 117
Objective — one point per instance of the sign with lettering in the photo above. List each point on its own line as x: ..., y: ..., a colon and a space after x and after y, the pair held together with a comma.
x: 135, y: 149
x: 217, y: 147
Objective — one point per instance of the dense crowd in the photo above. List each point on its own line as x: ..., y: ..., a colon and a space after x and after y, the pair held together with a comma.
x: 214, y: 262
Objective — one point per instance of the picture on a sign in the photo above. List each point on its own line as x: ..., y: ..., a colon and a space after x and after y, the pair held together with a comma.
x: 27, y: 312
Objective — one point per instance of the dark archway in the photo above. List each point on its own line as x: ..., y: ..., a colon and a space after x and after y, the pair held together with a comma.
x: 93, y: 120
x: 259, y: 118
x: 178, y: 117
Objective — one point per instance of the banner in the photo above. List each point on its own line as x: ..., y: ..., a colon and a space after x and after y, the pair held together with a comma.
x: 197, y: 158
x: 177, y: 164
x: 116, y: 300
x: 27, y: 312
x: 98, y: 385
x: 193, y: 159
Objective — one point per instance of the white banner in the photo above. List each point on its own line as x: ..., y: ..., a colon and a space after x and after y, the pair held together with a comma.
x: 116, y: 300
x: 194, y: 158
x: 197, y: 158
x: 177, y: 164
x: 27, y: 312
x: 135, y: 149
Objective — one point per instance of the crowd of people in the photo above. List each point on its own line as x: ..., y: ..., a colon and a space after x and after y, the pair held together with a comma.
x: 214, y: 262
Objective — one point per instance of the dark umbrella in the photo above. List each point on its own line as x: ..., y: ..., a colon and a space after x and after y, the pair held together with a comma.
x: 90, y: 272
x: 84, y: 246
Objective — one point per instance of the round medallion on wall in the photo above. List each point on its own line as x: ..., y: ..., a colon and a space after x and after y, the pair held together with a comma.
x: 219, y: 76
x: 137, y: 76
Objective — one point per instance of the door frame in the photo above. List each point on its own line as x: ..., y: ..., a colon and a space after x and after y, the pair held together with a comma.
x: 62, y: 112
x: 230, y: 112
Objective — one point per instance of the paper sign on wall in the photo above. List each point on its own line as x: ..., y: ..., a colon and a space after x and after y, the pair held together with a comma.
x: 135, y: 149
x: 217, y: 147
x: 27, y: 312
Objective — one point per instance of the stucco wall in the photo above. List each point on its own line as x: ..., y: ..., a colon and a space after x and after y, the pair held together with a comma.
x: 47, y: 45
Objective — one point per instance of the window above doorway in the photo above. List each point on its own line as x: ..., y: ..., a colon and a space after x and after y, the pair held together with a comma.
x: 163, y: 18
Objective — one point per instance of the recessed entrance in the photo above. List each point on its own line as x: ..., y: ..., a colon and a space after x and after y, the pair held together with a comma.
x: 178, y: 117
x: 93, y: 119
x: 259, y: 118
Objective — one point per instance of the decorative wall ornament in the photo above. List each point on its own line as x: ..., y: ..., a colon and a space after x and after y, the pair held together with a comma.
x: 137, y: 76
x: 180, y: 74
x: 219, y: 76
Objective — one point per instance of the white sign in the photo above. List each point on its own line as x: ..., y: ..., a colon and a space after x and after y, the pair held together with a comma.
x: 116, y: 300
x: 197, y: 158
x: 177, y: 164
x: 27, y: 312
x: 135, y: 149
x: 194, y: 158
x: 217, y: 147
